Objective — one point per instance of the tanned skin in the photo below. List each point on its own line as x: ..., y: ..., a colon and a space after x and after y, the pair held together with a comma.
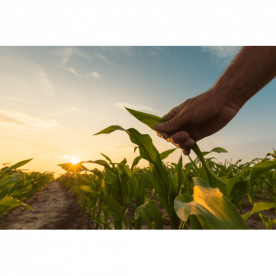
x: 207, y: 113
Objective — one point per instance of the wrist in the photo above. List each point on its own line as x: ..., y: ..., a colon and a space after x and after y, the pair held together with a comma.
x: 228, y: 97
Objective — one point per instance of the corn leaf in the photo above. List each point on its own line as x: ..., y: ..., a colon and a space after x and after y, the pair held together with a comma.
x: 156, y: 216
x: 232, y: 181
x: 195, y: 223
x: 267, y: 222
x: 85, y: 189
x: 98, y: 173
x: 260, y: 168
x: 151, y: 120
x: 135, y: 161
x: 11, y: 202
x: 259, y: 207
x: 19, y: 164
x: 166, y: 153
x: 9, y: 179
x: 133, y: 181
x: 217, y: 150
x: 148, y: 119
x: 213, y: 210
x: 177, y: 179
x: 116, y: 208
x: 106, y: 157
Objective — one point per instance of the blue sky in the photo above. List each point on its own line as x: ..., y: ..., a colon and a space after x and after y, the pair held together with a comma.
x: 53, y: 99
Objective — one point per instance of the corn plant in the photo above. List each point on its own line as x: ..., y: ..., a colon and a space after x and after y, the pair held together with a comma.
x: 17, y: 186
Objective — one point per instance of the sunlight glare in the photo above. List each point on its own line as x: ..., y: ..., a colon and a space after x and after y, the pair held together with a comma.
x: 75, y: 160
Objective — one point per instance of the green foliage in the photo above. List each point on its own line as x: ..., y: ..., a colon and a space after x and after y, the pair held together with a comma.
x: 203, y: 194
x: 16, y: 186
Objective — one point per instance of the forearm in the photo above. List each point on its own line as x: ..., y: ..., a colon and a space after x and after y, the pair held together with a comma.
x: 248, y: 73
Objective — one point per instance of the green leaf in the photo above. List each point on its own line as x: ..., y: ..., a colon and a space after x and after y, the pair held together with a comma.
x: 259, y: 207
x: 214, y: 181
x: 116, y: 208
x: 166, y: 153
x: 85, y: 189
x: 106, y: 157
x: 267, y: 222
x: 151, y: 120
x: 9, y: 179
x: 104, y: 164
x: 260, y: 168
x: 241, y: 189
x: 19, y: 164
x: 110, y: 129
x: 11, y: 202
x: 148, y: 119
x: 98, y: 173
x: 133, y: 181
x: 217, y: 150
x: 177, y: 175
x: 156, y: 216
x: 195, y: 168
x: 136, y: 161
x: 213, y: 210
x: 148, y: 152
x: 195, y: 223
x: 232, y: 181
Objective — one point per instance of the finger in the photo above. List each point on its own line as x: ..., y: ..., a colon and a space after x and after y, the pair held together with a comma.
x: 180, y: 137
x: 187, y: 144
x: 169, y: 126
x: 170, y: 115
x: 162, y: 135
x: 186, y: 152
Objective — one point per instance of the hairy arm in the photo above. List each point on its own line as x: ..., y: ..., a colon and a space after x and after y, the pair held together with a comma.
x: 252, y: 69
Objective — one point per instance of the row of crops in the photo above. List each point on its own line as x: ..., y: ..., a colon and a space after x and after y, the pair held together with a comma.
x: 17, y: 185
x: 201, y: 194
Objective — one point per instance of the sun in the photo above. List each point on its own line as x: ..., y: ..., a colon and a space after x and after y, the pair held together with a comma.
x: 75, y: 160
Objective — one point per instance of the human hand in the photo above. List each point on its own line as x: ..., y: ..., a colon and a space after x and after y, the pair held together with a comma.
x: 195, y: 119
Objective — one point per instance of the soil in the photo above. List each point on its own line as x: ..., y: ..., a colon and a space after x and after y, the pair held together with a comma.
x: 56, y: 207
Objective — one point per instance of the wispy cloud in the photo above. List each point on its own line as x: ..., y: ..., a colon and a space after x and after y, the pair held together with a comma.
x: 71, y: 109
x: 44, y: 79
x: 104, y: 59
x: 66, y: 52
x: 72, y: 70
x: 118, y: 49
x: 95, y: 75
x: 26, y: 120
x: 137, y: 107
x: 221, y: 51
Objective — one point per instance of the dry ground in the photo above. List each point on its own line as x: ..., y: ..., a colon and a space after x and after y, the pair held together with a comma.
x: 56, y: 208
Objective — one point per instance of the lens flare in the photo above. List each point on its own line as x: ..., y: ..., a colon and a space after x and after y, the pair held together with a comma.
x: 75, y: 160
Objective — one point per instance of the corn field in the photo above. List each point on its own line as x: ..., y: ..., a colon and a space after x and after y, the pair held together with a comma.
x: 201, y: 194
x: 16, y: 186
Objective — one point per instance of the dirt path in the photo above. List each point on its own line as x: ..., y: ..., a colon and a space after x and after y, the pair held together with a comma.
x: 54, y: 208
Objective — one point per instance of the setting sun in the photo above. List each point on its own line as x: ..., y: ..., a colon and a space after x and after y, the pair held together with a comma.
x: 75, y: 160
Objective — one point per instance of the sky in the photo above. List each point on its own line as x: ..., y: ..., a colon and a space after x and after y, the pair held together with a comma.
x: 53, y: 99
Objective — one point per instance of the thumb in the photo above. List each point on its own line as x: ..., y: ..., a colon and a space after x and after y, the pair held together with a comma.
x: 169, y: 126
